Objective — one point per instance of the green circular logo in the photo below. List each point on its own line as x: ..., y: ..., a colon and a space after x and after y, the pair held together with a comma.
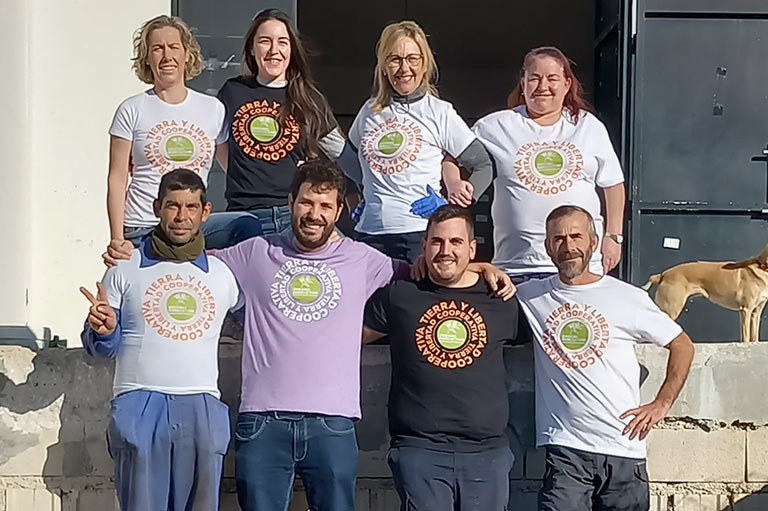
x: 181, y: 306
x: 179, y: 148
x: 264, y: 128
x: 306, y: 288
x: 452, y: 334
x: 549, y: 163
x: 391, y: 143
x: 575, y: 335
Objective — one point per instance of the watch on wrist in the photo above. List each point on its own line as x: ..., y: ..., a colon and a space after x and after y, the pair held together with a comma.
x: 618, y: 238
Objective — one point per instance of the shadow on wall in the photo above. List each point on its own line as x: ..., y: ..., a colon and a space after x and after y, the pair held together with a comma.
x: 755, y: 502
x: 55, y: 397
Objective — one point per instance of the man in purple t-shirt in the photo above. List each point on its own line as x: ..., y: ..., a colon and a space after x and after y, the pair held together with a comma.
x: 304, y: 304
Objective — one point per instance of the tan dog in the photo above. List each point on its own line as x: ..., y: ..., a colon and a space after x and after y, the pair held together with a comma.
x: 741, y: 286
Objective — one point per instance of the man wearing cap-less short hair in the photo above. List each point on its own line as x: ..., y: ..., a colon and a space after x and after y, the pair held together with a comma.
x: 448, y: 403
x: 588, y: 413
x: 159, y: 314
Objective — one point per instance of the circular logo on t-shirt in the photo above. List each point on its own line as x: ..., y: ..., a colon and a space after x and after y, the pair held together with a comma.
x: 548, y: 168
x: 179, y: 148
x: 305, y: 291
x: 548, y: 163
x: 264, y: 128
x: 178, y: 144
x: 179, y: 308
x: 451, y: 335
x: 575, y: 335
x: 306, y: 288
x: 392, y: 146
x: 258, y: 133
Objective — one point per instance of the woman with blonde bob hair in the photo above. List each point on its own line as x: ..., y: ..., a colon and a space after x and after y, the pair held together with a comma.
x: 166, y: 127
x: 402, y: 134
x: 549, y: 150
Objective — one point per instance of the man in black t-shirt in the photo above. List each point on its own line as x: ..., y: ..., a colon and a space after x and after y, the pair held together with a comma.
x: 448, y: 403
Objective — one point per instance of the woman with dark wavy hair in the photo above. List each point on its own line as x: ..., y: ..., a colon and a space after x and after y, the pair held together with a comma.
x: 276, y: 118
x: 549, y: 150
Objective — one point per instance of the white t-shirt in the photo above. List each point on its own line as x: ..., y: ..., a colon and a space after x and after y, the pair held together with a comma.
x: 538, y: 169
x: 401, y: 151
x: 587, y: 373
x: 170, y: 316
x: 166, y: 137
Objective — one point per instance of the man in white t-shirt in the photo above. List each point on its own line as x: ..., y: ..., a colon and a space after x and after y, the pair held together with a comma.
x: 159, y: 314
x: 588, y: 414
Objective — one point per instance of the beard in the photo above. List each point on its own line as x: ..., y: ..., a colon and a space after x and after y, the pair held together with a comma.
x: 572, y: 264
x: 315, y: 239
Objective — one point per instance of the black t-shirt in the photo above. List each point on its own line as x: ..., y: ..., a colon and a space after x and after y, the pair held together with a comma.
x: 262, y: 153
x: 448, y: 380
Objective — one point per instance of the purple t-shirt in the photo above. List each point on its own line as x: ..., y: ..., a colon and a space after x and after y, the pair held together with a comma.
x: 304, y: 321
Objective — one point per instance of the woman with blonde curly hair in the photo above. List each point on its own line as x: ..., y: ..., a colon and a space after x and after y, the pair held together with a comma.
x: 402, y: 134
x: 166, y: 127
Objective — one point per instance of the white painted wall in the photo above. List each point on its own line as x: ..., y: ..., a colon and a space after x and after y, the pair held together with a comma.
x: 66, y: 68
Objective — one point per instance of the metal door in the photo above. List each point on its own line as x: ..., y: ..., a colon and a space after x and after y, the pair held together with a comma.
x: 700, y: 124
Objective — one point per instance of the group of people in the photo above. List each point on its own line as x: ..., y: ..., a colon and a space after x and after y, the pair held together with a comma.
x: 309, y: 298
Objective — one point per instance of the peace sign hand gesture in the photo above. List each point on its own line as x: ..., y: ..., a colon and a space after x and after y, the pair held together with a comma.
x: 101, y: 316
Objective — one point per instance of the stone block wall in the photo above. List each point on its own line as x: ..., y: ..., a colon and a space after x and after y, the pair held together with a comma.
x: 711, y: 454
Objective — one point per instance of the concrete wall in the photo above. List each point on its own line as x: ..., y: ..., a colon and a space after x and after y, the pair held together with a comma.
x: 66, y: 68
x: 710, y: 455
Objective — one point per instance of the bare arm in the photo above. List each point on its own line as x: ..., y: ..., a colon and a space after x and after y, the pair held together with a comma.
x: 459, y: 191
x: 117, y: 183
x: 221, y: 154
x: 679, y: 363
x: 371, y: 335
x: 615, y: 201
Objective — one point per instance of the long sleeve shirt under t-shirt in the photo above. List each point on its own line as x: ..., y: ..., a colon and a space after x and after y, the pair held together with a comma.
x: 304, y: 321
x: 170, y: 317
x: 539, y: 168
x: 401, y: 150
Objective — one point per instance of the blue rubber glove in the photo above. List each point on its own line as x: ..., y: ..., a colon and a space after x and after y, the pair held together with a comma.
x: 427, y: 205
x: 356, y: 213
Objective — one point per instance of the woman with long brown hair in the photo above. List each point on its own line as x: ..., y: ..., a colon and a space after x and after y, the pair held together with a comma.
x: 549, y: 150
x: 276, y: 118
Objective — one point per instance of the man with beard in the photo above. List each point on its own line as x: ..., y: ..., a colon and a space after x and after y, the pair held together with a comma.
x: 304, y: 303
x: 588, y: 415
x: 448, y: 404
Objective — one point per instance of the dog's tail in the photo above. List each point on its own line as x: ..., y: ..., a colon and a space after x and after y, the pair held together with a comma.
x: 654, y: 279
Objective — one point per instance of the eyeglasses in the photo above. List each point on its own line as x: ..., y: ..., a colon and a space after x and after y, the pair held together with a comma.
x: 413, y: 60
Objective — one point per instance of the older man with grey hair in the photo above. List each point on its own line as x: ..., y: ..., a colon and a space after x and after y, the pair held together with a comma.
x: 588, y: 413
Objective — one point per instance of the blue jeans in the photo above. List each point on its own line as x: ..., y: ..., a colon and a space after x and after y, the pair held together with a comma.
x: 136, y: 234
x: 429, y: 480
x: 272, y: 447
x: 229, y: 228
x: 405, y: 246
